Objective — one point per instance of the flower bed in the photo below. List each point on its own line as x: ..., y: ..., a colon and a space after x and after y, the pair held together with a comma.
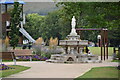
x: 5, y: 67
x: 34, y: 58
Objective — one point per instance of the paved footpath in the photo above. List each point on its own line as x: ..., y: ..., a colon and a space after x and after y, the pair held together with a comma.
x: 41, y: 69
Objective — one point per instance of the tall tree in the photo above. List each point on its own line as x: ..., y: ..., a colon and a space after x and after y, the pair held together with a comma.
x: 15, y: 20
x: 34, y: 25
x: 55, y: 26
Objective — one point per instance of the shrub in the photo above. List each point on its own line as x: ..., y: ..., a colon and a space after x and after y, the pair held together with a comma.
x: 53, y: 42
x: 39, y: 47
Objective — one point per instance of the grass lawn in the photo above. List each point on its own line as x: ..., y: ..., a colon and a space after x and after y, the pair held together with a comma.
x: 17, y: 69
x: 115, y: 60
x: 100, y: 72
x: 97, y: 50
x: 94, y: 50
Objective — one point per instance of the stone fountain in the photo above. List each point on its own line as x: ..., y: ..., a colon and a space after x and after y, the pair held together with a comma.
x: 73, y: 47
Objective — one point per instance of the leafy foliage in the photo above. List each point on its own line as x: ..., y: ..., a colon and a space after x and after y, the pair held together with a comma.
x: 15, y: 20
x: 95, y: 15
x: 88, y: 15
x: 34, y: 25
x: 54, y: 26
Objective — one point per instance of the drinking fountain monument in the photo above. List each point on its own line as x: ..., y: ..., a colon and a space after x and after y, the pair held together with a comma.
x: 73, y: 47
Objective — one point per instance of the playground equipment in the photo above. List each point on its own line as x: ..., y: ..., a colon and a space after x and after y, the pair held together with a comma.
x: 23, y: 31
x: 6, y: 21
x: 26, y: 34
x: 6, y: 17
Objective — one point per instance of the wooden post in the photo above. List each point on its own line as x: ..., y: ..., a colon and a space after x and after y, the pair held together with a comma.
x: 5, y: 8
x: 104, y: 43
x: 107, y: 44
x: 101, y: 43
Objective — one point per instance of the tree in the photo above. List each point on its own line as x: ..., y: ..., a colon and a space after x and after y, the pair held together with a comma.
x: 15, y: 20
x: 55, y: 26
x: 34, y: 25
x: 88, y: 14
x: 94, y: 15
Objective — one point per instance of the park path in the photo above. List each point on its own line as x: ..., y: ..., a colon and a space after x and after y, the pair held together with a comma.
x: 41, y: 69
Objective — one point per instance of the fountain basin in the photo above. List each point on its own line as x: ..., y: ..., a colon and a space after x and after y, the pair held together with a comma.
x: 73, y: 42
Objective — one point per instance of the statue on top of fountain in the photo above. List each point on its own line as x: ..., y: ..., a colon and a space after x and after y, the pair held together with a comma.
x: 73, y: 30
x: 73, y: 23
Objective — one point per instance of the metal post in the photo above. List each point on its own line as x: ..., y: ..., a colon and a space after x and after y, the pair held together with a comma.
x: 99, y: 42
x: 99, y: 37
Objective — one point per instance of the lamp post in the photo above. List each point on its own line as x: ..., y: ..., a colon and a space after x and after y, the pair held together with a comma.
x: 99, y: 38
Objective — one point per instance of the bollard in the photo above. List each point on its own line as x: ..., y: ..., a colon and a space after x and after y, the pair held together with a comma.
x: 14, y: 60
x: 0, y: 61
x: 30, y: 58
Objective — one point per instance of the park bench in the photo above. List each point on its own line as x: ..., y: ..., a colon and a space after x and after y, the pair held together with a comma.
x: 23, y: 52
x: 7, y: 56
